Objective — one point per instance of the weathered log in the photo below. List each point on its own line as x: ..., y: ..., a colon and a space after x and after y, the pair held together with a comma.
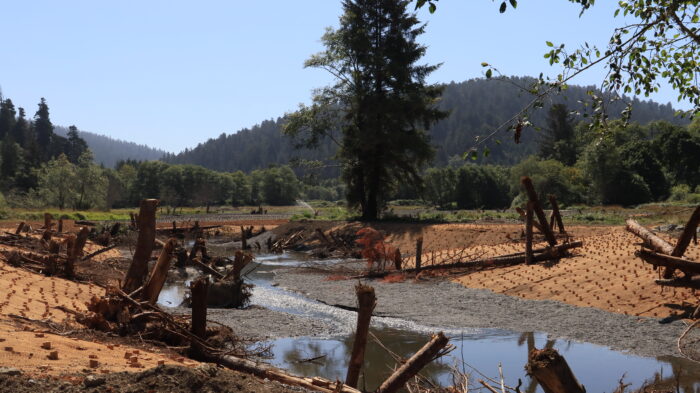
x: 152, y: 288
x: 413, y: 365
x: 366, y: 301
x: 419, y: 252
x: 80, y: 242
x: 655, y: 242
x: 532, y: 195
x: 689, y: 231
x: 85, y: 223
x: 552, y: 372
x: 19, y: 228
x: 557, y: 213
x: 262, y: 370
x: 98, y: 252
x: 657, y: 259
x: 240, y: 261
x: 206, y: 268
x: 144, y: 245
x: 69, y: 266
x: 529, y: 255
x: 681, y: 282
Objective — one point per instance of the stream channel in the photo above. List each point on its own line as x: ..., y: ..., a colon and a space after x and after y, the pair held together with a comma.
x: 477, y: 351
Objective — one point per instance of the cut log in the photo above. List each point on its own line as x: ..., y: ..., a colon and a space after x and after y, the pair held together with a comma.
x: 144, y: 245
x: 529, y: 255
x: 366, y: 301
x: 557, y: 213
x: 552, y: 372
x: 532, y: 195
x: 152, y: 288
x: 413, y: 365
x: 657, y: 259
x: 655, y: 242
x: 419, y: 252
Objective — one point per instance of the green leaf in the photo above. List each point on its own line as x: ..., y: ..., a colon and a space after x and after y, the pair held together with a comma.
x: 503, y: 7
x: 484, y: 64
x: 514, y: 3
x: 487, y: 152
x: 432, y: 8
x: 488, y: 73
x: 550, y: 44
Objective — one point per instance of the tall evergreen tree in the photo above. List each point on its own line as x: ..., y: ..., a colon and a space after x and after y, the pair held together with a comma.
x: 7, y: 117
x: 382, y: 97
x: 20, y: 130
x: 559, y: 140
x: 43, y: 129
x: 76, y: 145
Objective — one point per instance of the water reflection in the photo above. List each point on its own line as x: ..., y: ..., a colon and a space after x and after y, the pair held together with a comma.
x: 598, y: 368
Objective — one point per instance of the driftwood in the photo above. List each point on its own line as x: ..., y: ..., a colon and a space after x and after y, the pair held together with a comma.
x: 144, y: 245
x: 152, y: 288
x: 413, y: 365
x: 552, y: 372
x: 366, y: 300
x: 532, y: 195
x: 670, y: 262
x: 262, y: 370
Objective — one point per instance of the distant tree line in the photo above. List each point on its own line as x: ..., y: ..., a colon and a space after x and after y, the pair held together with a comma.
x: 625, y: 166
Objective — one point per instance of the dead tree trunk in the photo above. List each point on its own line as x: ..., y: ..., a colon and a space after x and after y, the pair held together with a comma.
x: 419, y: 252
x: 529, y: 256
x: 532, y: 195
x: 413, y: 365
x: 552, y: 372
x: 48, y: 221
x: 366, y: 301
x: 144, y: 246
x: 152, y: 288
x: 199, y: 290
x: 557, y: 213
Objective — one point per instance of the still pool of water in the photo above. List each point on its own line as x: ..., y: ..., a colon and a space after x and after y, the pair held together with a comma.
x: 598, y: 368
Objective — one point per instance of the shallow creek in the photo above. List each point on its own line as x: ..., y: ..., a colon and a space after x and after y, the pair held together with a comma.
x: 476, y: 351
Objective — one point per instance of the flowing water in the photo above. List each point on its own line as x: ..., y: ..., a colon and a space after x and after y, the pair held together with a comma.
x: 476, y: 351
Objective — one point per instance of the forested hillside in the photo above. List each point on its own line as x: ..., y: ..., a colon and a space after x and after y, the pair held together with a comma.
x: 108, y: 151
x: 476, y: 107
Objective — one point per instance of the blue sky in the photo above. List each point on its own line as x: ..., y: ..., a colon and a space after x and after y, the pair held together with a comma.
x: 173, y: 73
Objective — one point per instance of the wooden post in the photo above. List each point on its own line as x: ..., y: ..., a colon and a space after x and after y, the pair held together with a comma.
x: 366, y: 301
x: 174, y: 227
x: 532, y: 195
x: 552, y: 372
x: 69, y: 267
x: 413, y: 365
x: 199, y: 290
x: 152, y: 288
x: 144, y: 246
x: 19, y: 228
x: 60, y: 225
x: 557, y: 213
x: 551, y: 221
x: 48, y: 220
x: 684, y: 241
x: 528, y: 233
x: 244, y: 244
x: 240, y: 261
x: 419, y: 252
x: 398, y: 261
x: 80, y: 242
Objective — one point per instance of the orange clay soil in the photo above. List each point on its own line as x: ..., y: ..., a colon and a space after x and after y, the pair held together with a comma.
x: 604, y: 274
x: 36, y: 297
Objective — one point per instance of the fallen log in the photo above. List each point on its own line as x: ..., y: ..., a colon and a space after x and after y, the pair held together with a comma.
x: 532, y: 195
x: 552, y: 372
x: 413, y: 365
x: 146, y: 224
x: 657, y: 259
x: 681, y: 282
x: 98, y: 252
x: 366, y: 300
x: 545, y: 254
x: 262, y: 370
x: 655, y: 242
